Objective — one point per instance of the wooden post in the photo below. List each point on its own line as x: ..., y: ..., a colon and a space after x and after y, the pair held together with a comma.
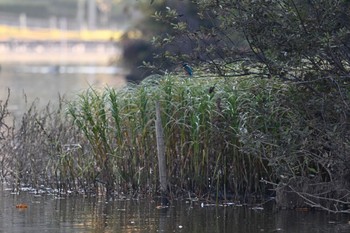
x: 161, y: 155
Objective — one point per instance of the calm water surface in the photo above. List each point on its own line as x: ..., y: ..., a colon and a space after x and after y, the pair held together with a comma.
x: 44, y: 82
x: 78, y: 214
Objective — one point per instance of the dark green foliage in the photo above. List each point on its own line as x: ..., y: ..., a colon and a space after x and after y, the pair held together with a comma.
x: 301, y: 41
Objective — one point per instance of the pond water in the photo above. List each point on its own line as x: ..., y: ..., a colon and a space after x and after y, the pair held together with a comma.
x: 44, y: 82
x: 47, y: 213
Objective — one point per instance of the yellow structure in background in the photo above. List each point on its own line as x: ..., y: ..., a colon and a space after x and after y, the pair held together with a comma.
x: 46, y: 34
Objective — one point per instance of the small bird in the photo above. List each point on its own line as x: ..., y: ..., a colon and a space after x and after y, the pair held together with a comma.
x: 188, y: 69
x: 211, y: 89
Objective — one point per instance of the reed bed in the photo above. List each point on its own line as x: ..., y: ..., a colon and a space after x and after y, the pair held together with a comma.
x: 230, y: 139
x: 203, y: 136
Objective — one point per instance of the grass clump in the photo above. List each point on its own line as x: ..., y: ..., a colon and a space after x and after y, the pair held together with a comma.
x: 234, y: 139
x: 205, y: 132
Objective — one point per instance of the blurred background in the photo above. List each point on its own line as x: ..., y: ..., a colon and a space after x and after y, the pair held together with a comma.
x: 52, y: 47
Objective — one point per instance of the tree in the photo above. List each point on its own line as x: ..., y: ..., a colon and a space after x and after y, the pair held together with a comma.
x: 294, y: 40
x: 304, y: 43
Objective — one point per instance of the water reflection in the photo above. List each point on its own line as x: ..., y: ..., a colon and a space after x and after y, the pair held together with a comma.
x: 45, y: 82
x: 68, y: 69
x: 79, y: 214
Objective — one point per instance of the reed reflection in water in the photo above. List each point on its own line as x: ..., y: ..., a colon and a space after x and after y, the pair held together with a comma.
x: 48, y: 213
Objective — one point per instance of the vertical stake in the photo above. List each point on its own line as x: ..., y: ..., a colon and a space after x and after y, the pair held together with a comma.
x: 161, y: 155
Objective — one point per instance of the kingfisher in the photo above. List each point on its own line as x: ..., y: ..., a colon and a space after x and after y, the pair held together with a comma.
x: 188, y: 69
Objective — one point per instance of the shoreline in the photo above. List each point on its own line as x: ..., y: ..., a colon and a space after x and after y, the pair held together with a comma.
x: 58, y: 58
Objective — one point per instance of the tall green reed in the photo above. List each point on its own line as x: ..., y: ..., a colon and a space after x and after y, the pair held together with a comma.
x: 90, y: 115
x: 221, y: 138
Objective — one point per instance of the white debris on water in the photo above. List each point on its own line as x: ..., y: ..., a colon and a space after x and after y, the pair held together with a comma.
x: 257, y: 208
x: 220, y: 205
